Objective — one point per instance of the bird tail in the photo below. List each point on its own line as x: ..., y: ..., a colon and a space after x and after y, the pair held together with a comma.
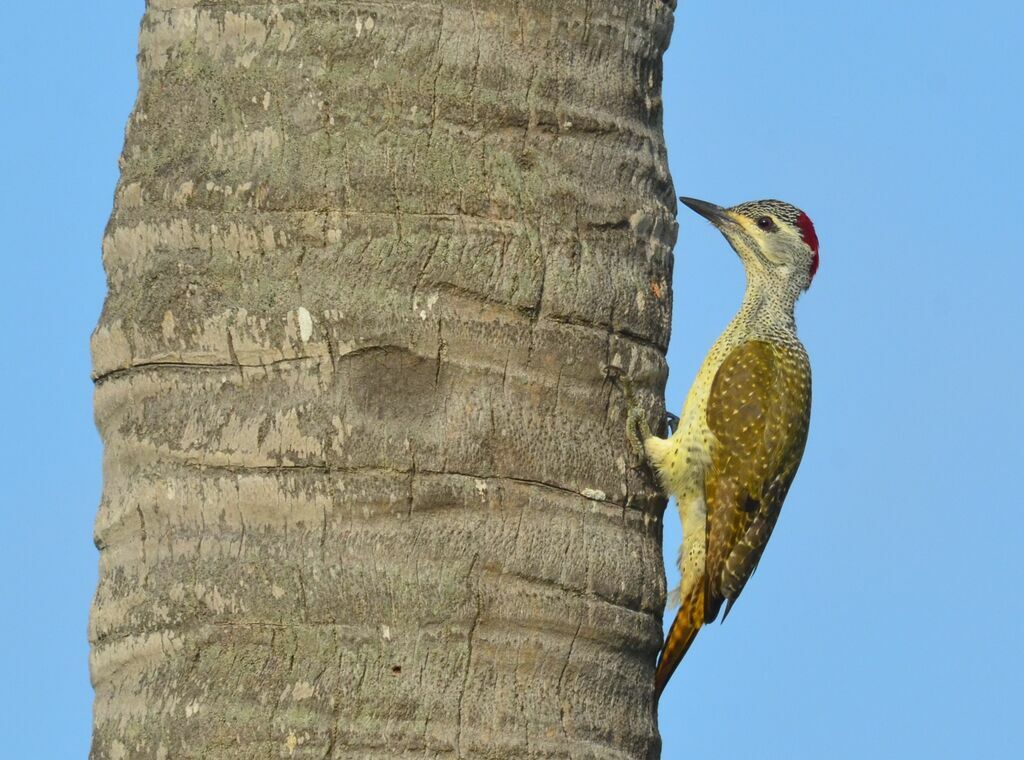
x: 684, y: 630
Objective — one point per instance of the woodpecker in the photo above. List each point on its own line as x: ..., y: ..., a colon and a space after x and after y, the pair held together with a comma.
x: 738, y: 443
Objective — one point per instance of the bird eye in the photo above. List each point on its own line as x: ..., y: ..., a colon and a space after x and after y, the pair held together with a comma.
x: 766, y: 223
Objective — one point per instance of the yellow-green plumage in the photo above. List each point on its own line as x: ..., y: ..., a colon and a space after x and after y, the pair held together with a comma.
x: 755, y: 418
x: 743, y: 427
x: 759, y: 411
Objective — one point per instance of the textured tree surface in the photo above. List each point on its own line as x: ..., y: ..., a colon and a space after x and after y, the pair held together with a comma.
x: 367, y: 492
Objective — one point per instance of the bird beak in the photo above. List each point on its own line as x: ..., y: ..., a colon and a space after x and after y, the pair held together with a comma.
x: 717, y: 215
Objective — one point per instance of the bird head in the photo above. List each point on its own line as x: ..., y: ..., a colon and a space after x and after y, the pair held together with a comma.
x: 772, y: 238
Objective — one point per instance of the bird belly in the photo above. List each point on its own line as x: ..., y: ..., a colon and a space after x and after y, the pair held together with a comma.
x: 681, y: 462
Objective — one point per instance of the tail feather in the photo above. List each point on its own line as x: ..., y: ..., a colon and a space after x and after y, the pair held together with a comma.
x: 684, y: 630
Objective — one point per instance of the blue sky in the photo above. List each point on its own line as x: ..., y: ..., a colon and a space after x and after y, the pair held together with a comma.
x: 886, y: 617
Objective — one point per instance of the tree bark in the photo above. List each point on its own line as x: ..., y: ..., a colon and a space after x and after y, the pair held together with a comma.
x: 367, y: 492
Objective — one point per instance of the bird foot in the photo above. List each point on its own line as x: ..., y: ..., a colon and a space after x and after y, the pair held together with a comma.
x: 671, y: 422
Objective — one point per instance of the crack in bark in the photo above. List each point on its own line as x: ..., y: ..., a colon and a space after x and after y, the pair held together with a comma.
x: 334, y: 359
x: 442, y: 351
x: 185, y: 365
x: 423, y: 270
x: 229, y: 366
x: 469, y: 654
x: 241, y: 519
x: 437, y: 74
x: 143, y: 536
x: 302, y: 595
x: 579, y: 626
x: 329, y: 469
x: 561, y: 676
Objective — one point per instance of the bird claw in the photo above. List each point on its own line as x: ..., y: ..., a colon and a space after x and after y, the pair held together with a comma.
x: 671, y: 422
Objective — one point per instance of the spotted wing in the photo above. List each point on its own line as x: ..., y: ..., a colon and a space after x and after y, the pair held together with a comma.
x: 758, y: 409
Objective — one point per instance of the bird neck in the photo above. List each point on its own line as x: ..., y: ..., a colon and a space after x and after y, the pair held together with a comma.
x: 767, y: 310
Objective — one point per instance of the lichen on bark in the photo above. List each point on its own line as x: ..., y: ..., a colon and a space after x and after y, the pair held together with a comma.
x: 366, y: 492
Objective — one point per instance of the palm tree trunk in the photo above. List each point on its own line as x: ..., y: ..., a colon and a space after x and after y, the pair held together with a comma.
x: 366, y: 487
